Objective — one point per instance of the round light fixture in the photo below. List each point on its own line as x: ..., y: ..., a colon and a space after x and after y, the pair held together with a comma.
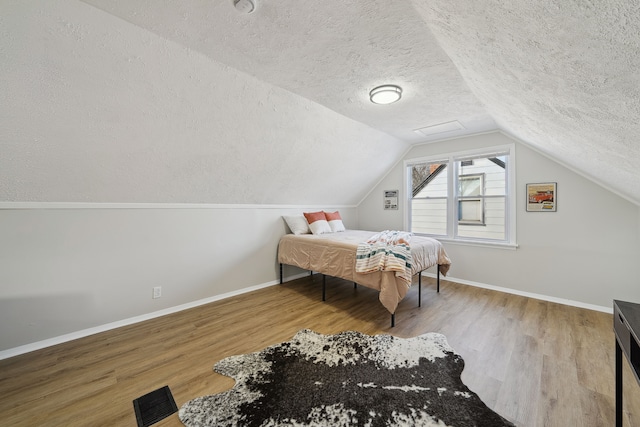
x: 245, y: 6
x: 385, y: 94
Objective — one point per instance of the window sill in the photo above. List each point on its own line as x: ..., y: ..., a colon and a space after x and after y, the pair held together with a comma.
x: 496, y: 245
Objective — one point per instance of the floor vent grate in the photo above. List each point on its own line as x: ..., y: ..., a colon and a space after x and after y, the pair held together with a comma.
x: 154, y: 406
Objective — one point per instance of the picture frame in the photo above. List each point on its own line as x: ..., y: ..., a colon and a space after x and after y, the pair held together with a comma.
x: 390, y: 200
x: 542, y: 197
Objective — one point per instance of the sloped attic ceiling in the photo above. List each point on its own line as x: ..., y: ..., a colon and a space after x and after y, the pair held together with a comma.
x: 561, y: 76
x: 95, y: 109
x: 192, y: 101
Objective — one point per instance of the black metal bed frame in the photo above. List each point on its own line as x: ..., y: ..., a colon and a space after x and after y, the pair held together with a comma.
x: 355, y: 285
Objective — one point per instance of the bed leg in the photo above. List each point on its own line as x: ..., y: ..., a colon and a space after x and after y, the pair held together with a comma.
x: 281, y: 273
x: 420, y: 289
x: 438, y: 278
x: 393, y: 320
x: 324, y: 287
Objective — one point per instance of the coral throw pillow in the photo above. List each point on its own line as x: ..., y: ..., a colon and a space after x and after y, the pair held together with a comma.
x: 317, y: 222
x: 335, y: 221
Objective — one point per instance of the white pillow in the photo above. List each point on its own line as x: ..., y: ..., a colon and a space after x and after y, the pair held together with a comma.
x: 317, y: 222
x: 297, y: 224
x: 335, y: 221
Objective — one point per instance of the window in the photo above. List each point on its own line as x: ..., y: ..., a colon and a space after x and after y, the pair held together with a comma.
x: 470, y: 206
x: 463, y: 196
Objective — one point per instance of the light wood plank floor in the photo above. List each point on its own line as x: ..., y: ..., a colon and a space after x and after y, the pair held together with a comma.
x: 536, y: 363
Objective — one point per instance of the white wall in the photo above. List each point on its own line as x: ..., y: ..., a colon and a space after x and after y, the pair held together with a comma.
x: 586, y: 252
x: 97, y: 110
x: 69, y: 268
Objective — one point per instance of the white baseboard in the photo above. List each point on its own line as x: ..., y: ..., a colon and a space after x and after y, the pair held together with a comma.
x: 16, y: 351
x: 526, y: 294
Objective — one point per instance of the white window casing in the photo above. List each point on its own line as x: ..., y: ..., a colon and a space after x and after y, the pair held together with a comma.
x: 441, y: 209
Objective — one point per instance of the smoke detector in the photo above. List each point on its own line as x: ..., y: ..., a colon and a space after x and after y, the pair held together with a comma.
x: 245, y: 6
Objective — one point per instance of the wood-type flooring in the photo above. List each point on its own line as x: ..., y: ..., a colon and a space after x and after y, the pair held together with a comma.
x: 536, y: 363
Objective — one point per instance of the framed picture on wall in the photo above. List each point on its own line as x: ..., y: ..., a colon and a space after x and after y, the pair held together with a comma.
x: 390, y: 199
x: 542, y: 197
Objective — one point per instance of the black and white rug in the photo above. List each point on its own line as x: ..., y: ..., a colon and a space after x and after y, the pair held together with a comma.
x: 347, y: 379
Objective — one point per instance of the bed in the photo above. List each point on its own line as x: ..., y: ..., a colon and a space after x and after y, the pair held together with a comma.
x: 334, y: 254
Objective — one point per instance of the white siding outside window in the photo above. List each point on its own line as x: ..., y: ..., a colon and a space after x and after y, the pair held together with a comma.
x: 429, y: 206
x: 470, y: 205
x: 463, y: 197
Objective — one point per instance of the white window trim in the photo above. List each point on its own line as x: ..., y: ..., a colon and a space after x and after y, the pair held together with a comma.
x: 451, y: 158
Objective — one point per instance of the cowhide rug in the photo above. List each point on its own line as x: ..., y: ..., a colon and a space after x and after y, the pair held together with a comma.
x: 348, y: 379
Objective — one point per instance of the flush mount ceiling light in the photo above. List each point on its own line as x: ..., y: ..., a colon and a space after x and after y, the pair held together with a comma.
x: 385, y: 94
x: 245, y: 6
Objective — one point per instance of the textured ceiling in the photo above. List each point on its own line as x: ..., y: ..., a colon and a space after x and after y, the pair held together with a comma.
x: 95, y: 109
x: 560, y: 75
x: 332, y: 52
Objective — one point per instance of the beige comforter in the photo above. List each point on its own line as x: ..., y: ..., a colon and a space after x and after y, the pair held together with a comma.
x: 334, y: 254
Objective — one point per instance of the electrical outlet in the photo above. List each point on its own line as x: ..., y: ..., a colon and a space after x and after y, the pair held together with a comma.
x: 157, y: 292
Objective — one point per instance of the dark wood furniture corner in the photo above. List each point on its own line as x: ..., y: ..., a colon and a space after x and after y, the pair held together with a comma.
x: 626, y: 324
